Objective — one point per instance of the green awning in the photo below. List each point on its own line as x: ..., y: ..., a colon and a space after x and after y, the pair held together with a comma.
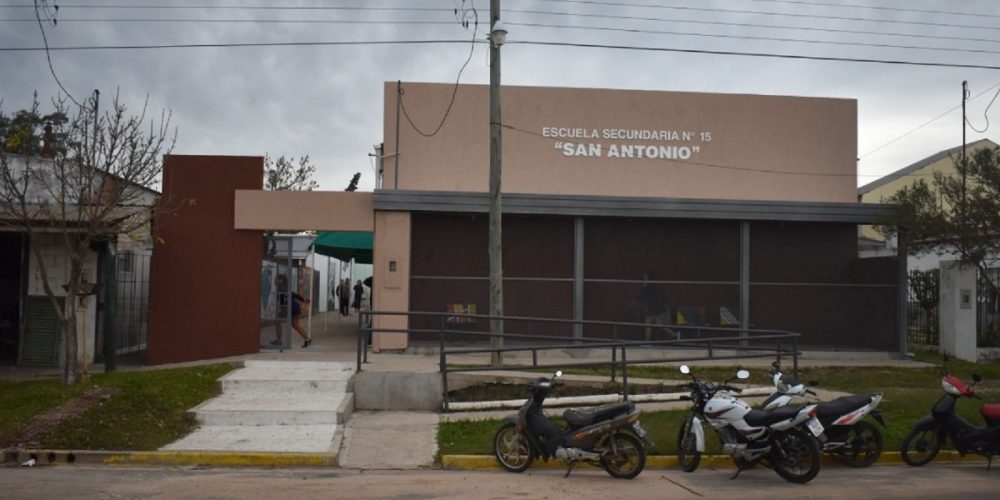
x: 345, y: 245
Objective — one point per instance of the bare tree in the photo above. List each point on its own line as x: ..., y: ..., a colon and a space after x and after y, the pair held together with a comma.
x: 283, y: 175
x: 91, y: 179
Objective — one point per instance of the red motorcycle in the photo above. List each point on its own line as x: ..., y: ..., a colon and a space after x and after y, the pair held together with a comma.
x: 930, y: 433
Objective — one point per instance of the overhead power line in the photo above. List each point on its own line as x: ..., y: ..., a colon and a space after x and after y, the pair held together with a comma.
x: 928, y: 122
x: 525, y: 11
x: 538, y: 25
x: 758, y: 38
x: 792, y: 2
x: 768, y: 13
x: 229, y: 45
x: 514, y: 42
x: 755, y: 54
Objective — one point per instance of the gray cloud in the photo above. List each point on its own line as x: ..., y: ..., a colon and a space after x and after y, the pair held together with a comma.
x: 327, y: 101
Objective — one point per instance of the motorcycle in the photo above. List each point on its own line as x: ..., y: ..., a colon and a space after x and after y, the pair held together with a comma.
x: 856, y: 441
x: 930, y: 433
x: 750, y: 436
x: 609, y: 435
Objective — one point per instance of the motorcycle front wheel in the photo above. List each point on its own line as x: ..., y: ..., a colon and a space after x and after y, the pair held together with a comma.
x: 795, y: 456
x: 864, y: 445
x: 687, y: 446
x: 512, y: 449
x: 624, y: 456
x: 920, y: 446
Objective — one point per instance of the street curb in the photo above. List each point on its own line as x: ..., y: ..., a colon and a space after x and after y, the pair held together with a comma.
x: 488, y: 462
x: 178, y: 458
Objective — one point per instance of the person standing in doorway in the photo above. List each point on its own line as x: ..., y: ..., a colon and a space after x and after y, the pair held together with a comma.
x: 344, y: 296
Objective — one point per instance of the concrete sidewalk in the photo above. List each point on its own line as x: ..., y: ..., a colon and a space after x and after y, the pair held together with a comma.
x: 319, y: 427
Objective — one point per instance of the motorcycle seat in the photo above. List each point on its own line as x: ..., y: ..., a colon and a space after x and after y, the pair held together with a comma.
x: 587, y: 416
x: 762, y: 418
x: 838, y: 407
x: 990, y: 412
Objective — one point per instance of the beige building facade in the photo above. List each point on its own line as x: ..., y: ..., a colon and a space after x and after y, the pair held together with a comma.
x: 744, y: 206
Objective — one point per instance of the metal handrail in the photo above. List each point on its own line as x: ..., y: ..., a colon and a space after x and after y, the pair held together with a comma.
x: 619, y: 348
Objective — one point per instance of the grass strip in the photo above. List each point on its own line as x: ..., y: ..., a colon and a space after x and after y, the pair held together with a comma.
x: 908, y: 395
x: 148, y: 411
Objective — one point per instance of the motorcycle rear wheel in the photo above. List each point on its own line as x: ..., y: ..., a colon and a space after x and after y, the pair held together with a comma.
x: 512, y: 449
x: 795, y: 456
x: 687, y: 446
x: 624, y: 456
x: 920, y: 446
x: 864, y: 445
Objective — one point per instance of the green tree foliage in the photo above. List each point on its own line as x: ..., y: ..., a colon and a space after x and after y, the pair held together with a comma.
x: 949, y: 215
x: 21, y: 133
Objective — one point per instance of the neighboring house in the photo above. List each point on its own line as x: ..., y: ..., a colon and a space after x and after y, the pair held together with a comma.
x: 871, y: 243
x: 29, y: 329
x: 923, y: 324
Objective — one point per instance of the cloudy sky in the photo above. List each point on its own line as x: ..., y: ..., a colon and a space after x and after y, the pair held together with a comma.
x: 315, y: 91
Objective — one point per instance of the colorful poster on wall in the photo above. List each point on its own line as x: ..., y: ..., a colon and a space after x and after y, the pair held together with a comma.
x: 460, y: 309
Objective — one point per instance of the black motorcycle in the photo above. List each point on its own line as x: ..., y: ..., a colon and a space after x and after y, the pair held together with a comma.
x: 846, y: 432
x: 930, y: 433
x: 608, y: 435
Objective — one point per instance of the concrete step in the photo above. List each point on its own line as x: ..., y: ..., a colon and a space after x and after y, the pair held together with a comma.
x: 322, y: 369
x: 256, y: 409
x: 262, y: 438
x: 282, y: 376
x: 317, y: 388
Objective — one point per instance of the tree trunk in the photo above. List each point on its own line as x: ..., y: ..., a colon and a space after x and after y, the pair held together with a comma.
x: 70, y: 364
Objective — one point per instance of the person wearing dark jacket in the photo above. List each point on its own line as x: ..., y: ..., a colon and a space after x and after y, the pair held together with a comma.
x: 359, y: 293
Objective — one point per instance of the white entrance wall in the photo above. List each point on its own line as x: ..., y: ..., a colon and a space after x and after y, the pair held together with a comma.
x: 958, y: 311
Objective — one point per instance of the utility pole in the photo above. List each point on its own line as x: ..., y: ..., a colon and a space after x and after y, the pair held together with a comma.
x: 497, y: 38
x: 965, y: 97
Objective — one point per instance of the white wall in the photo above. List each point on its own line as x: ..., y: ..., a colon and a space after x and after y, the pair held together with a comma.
x: 57, y: 266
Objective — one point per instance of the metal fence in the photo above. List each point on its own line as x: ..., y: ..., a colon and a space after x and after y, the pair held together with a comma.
x: 922, y: 316
x: 688, y: 344
x: 988, y: 310
x: 922, y: 309
x: 132, y: 302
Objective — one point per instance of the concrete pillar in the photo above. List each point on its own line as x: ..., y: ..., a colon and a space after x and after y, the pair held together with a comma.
x: 957, y: 311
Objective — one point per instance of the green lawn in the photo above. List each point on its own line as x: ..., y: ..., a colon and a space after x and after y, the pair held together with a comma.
x: 149, y: 411
x: 908, y: 394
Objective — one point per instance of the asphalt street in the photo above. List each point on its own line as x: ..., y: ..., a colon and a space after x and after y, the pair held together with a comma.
x: 966, y: 481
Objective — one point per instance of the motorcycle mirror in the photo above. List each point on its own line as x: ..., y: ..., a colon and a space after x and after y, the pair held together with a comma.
x: 742, y: 374
x: 776, y: 365
x: 976, y: 378
x: 685, y: 370
x: 558, y: 373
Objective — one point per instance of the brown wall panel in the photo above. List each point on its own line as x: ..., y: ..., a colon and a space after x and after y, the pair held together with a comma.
x: 675, y: 250
x: 205, y: 275
x: 797, y: 252
x: 856, y: 317
x: 458, y: 245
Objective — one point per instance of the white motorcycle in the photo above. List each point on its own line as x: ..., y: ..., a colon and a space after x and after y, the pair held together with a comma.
x: 749, y: 436
x: 848, y: 435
